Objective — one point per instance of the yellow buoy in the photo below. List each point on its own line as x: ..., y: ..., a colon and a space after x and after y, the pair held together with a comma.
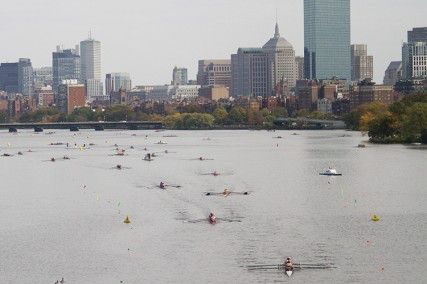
x: 375, y: 218
x: 126, y: 221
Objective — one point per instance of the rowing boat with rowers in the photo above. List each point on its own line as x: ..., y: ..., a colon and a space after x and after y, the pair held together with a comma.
x: 295, y: 267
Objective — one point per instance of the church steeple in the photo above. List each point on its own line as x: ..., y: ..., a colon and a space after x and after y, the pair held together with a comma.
x: 276, y: 32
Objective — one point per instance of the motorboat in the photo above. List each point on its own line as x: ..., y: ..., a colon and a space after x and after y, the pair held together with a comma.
x: 330, y: 172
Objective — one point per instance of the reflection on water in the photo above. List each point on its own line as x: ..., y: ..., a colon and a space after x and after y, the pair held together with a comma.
x: 65, y: 218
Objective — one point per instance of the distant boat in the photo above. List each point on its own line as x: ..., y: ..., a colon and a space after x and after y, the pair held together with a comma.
x: 361, y: 146
x: 330, y: 172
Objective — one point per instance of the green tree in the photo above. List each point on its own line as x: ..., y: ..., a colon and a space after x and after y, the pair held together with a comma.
x: 221, y: 115
x: 279, y: 112
x: 237, y: 115
x: 3, y: 117
x: 382, y: 128
x: 414, y: 123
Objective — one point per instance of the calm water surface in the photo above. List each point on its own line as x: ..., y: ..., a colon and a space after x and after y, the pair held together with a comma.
x: 65, y: 218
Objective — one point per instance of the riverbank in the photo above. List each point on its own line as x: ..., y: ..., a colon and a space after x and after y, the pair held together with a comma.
x: 401, y: 122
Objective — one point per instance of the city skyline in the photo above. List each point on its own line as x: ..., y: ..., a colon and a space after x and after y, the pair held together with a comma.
x: 150, y: 57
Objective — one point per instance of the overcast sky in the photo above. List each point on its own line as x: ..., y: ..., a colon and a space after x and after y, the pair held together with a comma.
x: 148, y: 38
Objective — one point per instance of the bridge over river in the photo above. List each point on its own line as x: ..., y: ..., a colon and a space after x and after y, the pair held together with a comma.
x: 75, y: 126
x: 306, y: 123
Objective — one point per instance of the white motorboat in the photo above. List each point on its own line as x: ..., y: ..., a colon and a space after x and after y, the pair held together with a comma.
x: 330, y: 172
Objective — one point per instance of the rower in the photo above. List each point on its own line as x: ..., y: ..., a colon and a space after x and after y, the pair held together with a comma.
x: 226, y: 192
x: 162, y: 185
x: 288, y: 264
x: 119, y: 167
x: 201, y: 158
x: 215, y: 173
x: 212, y: 218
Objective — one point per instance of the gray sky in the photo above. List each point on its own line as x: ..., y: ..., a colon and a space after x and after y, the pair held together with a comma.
x: 148, y: 38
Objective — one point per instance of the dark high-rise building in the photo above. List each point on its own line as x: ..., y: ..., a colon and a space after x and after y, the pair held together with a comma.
x: 65, y: 66
x: 393, y: 73
x: 17, y: 77
x: 9, y: 77
x: 417, y: 35
x: 327, y: 39
x: 299, y: 61
x: 249, y: 75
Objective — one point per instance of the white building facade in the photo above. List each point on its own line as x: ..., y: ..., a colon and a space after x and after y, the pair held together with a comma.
x: 90, y: 58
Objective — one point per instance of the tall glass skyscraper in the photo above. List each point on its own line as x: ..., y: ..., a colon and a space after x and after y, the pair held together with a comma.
x: 327, y: 39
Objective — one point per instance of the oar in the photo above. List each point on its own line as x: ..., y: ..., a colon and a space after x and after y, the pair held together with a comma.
x: 176, y: 186
x: 314, y: 264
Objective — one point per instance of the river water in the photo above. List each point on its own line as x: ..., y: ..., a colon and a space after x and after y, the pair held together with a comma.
x: 65, y: 218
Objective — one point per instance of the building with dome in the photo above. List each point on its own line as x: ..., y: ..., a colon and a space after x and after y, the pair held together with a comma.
x: 258, y: 72
x: 281, y: 61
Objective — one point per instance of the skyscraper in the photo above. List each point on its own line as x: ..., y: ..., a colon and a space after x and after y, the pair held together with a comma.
x: 262, y: 71
x: 25, y: 77
x: 362, y: 64
x: 179, y: 76
x: 327, y: 39
x: 65, y: 66
x: 9, y: 77
x: 17, y: 77
x: 414, y: 55
x: 299, y: 61
x: 90, y: 51
x: 249, y: 73
x: 393, y: 73
x: 417, y: 35
x: 281, y: 61
x: 116, y: 81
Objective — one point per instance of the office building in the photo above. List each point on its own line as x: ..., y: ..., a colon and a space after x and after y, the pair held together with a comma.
x: 94, y: 90
x: 327, y: 39
x: 362, y: 64
x: 25, y: 77
x: 214, y: 72
x: 116, y: 81
x: 307, y: 94
x: 155, y: 92
x: 324, y: 105
x: 17, y: 77
x: 181, y: 92
x: 414, y: 60
x: 393, y: 73
x: 9, y: 77
x: 90, y: 53
x: 42, y: 77
x: 299, y: 66
x: 44, y: 96
x: 65, y: 66
x: 281, y: 61
x: 417, y: 35
x: 369, y: 94
x: 179, y: 76
x: 249, y: 76
x: 71, y: 95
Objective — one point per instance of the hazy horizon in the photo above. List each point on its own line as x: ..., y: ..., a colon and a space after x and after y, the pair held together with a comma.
x: 147, y: 39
